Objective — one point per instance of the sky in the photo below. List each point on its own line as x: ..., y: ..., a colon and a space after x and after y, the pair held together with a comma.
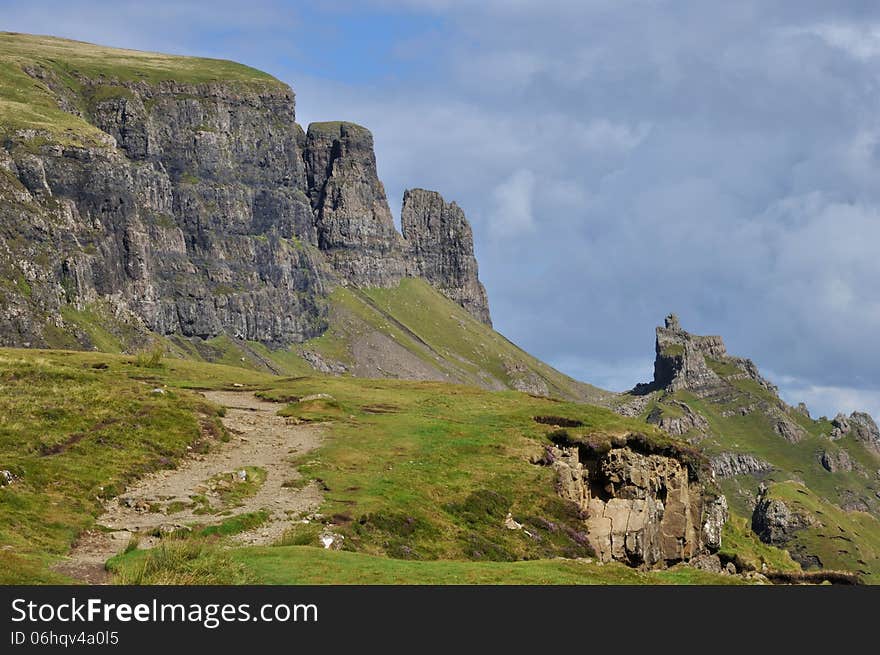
x: 618, y: 159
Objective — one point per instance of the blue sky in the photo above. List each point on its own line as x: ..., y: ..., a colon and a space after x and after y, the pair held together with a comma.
x: 619, y: 159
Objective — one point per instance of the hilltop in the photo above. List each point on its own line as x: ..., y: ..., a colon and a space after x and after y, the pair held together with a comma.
x: 807, y: 484
x: 158, y: 201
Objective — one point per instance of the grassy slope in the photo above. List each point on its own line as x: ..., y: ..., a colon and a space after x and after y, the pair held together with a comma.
x: 754, y: 433
x: 74, y: 431
x: 437, y: 333
x: 430, y: 470
x: 26, y: 103
x: 416, y: 470
x: 842, y: 540
x: 195, y: 562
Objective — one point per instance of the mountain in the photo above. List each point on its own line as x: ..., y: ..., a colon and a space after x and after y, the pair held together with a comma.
x: 151, y: 199
x: 187, y: 275
x: 809, y: 485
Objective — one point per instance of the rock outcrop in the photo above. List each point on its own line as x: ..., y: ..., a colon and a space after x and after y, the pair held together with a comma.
x: 440, y: 248
x: 355, y: 228
x: 834, y: 461
x: 640, y: 508
x: 686, y: 361
x: 860, y: 426
x: 681, y: 423
x: 189, y: 218
x: 728, y: 465
x: 775, y: 522
x: 202, y: 209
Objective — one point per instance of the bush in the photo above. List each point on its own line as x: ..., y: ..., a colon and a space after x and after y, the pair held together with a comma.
x: 150, y: 358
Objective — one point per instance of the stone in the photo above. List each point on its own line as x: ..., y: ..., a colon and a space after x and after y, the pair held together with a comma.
x: 728, y: 465
x: 316, y: 396
x: 775, y: 522
x: 203, y: 210
x: 864, y: 430
x: 6, y: 477
x: 510, y: 523
x: 710, y: 563
x: 440, y: 249
x: 355, y: 228
x: 834, y: 461
x: 641, y: 509
x: 679, y: 425
x: 786, y: 428
x: 801, y: 408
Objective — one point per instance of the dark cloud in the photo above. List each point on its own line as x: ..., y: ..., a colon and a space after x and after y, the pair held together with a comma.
x: 619, y: 159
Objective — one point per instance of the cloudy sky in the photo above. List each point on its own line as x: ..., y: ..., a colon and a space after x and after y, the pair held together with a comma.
x: 619, y: 159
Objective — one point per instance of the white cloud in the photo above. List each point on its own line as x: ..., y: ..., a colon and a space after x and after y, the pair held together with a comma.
x: 512, y: 214
x: 829, y: 400
x: 861, y: 41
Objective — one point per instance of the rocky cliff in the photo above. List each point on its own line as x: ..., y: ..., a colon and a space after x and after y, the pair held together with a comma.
x: 178, y: 196
x: 809, y: 485
x: 441, y: 249
x: 641, y: 505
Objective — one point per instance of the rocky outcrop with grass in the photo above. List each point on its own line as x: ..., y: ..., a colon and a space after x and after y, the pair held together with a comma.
x: 441, y: 249
x: 178, y: 196
x: 818, y: 471
x: 642, y: 502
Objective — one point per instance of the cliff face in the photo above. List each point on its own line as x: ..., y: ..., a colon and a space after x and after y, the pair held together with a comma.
x: 441, y: 249
x: 807, y: 484
x: 199, y: 209
x: 354, y: 224
x: 191, y: 218
x: 641, y: 508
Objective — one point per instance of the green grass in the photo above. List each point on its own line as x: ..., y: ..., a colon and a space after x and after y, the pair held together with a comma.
x: 842, y: 540
x: 427, y: 470
x: 233, y: 492
x: 742, y: 546
x: 299, y: 565
x: 438, y: 334
x: 28, y: 103
x: 75, y: 428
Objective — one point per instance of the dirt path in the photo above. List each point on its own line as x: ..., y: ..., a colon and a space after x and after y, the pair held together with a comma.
x: 198, y: 490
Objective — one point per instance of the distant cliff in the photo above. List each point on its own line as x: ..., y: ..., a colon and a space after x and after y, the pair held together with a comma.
x: 808, y: 484
x: 180, y: 197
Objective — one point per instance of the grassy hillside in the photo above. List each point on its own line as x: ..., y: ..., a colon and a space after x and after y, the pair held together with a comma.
x: 184, y: 562
x: 741, y: 420
x: 75, y: 428
x: 29, y: 103
x: 408, y: 332
x: 419, y: 477
x: 412, y: 331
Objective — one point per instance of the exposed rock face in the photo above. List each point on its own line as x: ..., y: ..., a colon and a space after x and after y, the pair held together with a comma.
x: 441, y: 249
x: 682, y: 424
x: 860, y: 426
x: 728, y: 465
x: 775, y: 522
x: 190, y: 217
x: 785, y: 427
x: 835, y: 461
x: 683, y: 362
x: 864, y: 429
x: 205, y: 210
x: 354, y: 224
x: 681, y: 357
x: 642, y: 509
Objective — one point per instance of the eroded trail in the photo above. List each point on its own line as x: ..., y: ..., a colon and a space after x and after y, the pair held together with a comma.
x: 252, y: 472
